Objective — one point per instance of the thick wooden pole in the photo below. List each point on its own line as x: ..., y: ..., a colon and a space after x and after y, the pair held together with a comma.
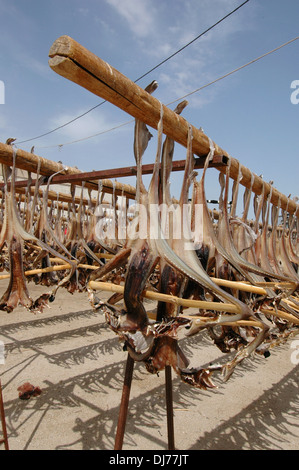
x: 29, y: 162
x: 53, y: 196
x: 124, y: 404
x: 169, y: 407
x: 71, y: 60
x: 74, y: 62
x: 3, y: 421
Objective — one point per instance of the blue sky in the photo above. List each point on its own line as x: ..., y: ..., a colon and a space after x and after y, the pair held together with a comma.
x: 249, y: 114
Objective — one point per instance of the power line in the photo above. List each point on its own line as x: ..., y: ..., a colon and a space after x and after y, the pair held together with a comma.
x: 185, y: 96
x: 63, y: 125
x: 193, y: 40
x: 90, y: 136
x: 139, y: 78
x: 236, y: 70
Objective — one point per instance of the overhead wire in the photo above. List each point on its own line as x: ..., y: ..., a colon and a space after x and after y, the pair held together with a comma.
x: 235, y: 70
x: 139, y: 78
x: 193, y: 40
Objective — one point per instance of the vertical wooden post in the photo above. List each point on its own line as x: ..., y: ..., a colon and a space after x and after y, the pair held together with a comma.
x: 3, y: 422
x: 123, y: 411
x: 169, y: 408
x: 71, y: 60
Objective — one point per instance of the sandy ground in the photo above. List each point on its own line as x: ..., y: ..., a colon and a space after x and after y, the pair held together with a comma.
x: 77, y: 361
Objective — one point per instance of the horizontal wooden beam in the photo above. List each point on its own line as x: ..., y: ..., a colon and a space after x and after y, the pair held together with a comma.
x: 71, y: 60
x: 62, y: 198
x: 29, y: 162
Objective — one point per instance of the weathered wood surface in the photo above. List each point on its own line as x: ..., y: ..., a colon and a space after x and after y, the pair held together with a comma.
x: 30, y: 162
x: 71, y: 60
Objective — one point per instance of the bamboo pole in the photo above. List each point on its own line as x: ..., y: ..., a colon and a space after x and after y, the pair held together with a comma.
x: 157, y: 296
x: 280, y: 314
x: 71, y: 60
x: 201, y: 304
x: 188, y: 303
x: 258, y: 288
x: 153, y: 295
x: 239, y: 286
x: 276, y: 284
x: 229, y: 308
x: 202, y: 320
x: 50, y: 269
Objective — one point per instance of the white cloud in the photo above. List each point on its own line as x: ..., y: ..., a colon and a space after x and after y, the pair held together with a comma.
x: 138, y: 14
x: 206, y: 58
x: 179, y: 84
x: 3, y: 122
x: 35, y: 65
x: 83, y: 11
x: 83, y: 127
x: 90, y: 125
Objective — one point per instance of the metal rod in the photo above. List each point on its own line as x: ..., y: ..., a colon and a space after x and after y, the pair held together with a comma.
x: 123, y: 411
x: 29, y: 162
x: 169, y: 408
x: 177, y: 165
x: 3, y: 422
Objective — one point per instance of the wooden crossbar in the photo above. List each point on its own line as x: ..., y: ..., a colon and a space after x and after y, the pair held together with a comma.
x: 29, y: 162
x: 71, y: 60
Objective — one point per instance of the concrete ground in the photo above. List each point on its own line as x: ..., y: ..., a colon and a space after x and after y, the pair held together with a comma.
x: 78, y: 363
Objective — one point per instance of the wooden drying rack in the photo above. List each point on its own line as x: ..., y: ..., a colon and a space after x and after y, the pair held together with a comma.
x: 72, y: 61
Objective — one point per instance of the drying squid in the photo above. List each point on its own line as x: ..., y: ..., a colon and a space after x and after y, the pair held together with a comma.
x: 14, y: 235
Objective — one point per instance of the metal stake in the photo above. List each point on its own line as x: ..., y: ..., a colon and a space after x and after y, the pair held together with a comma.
x: 123, y: 411
x: 5, y: 438
x: 124, y: 405
x: 169, y: 408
